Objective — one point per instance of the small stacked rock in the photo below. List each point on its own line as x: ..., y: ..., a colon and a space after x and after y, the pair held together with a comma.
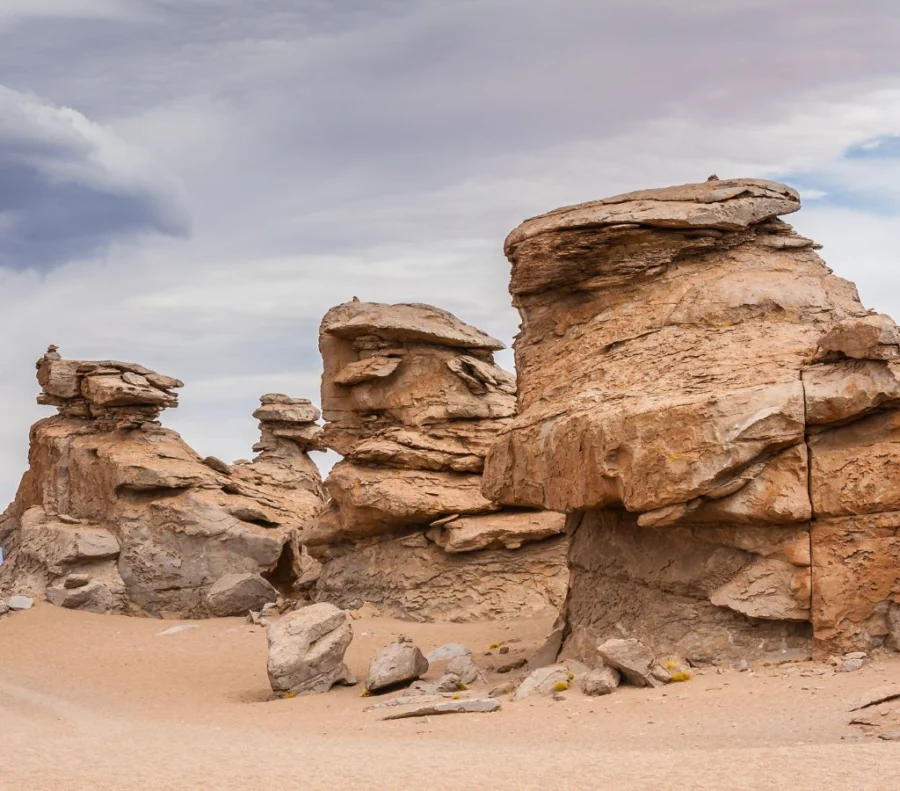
x: 115, y: 394
x: 412, y: 400
x: 287, y: 420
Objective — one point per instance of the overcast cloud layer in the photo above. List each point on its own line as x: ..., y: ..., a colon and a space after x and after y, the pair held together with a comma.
x: 191, y: 184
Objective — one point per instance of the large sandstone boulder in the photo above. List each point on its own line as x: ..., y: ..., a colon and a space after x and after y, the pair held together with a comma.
x: 306, y: 650
x: 717, y: 412
x: 412, y: 400
x: 113, y: 496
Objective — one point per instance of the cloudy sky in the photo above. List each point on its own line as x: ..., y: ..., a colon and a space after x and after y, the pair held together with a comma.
x: 191, y: 184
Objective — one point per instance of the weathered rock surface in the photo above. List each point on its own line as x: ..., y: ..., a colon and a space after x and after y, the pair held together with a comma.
x: 600, y: 681
x: 112, y: 495
x: 544, y: 681
x: 398, y: 663
x: 238, y: 594
x: 469, y: 706
x: 496, y: 531
x: 634, y: 661
x: 19, y: 602
x: 717, y: 413
x: 306, y: 650
x: 410, y: 577
x: 412, y: 400
x: 447, y: 651
x: 463, y: 668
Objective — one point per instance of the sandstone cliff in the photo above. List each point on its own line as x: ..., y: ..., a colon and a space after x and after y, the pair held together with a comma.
x: 717, y: 412
x: 412, y: 400
x: 117, y: 513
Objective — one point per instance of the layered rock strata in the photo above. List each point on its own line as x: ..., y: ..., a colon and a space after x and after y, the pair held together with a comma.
x: 118, y: 514
x: 412, y: 400
x: 717, y: 413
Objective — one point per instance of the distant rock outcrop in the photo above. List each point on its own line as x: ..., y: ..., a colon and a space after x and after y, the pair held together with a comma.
x: 717, y: 413
x: 118, y: 514
x: 412, y: 400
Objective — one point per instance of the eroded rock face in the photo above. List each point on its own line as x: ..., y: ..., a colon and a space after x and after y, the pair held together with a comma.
x: 412, y: 578
x: 113, y: 497
x: 412, y: 400
x: 697, y: 389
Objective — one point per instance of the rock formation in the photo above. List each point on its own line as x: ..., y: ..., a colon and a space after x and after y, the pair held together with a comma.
x: 412, y: 400
x: 118, y: 514
x: 717, y: 413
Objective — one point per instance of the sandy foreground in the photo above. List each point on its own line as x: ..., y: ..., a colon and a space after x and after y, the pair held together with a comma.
x: 107, y: 702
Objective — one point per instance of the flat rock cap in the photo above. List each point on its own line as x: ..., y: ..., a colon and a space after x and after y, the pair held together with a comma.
x: 410, y: 323
x: 726, y: 205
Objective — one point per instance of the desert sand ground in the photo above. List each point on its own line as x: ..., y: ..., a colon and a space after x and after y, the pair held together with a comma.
x: 106, y: 702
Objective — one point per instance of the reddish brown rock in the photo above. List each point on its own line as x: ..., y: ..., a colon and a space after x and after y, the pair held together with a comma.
x: 114, y: 499
x: 412, y: 400
x: 856, y: 591
x: 697, y: 388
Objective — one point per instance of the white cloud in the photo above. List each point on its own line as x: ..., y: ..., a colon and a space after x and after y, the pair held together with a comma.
x: 383, y: 150
x: 13, y: 10
x: 69, y: 186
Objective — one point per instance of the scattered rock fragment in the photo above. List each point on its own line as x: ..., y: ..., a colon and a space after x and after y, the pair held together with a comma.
x: 506, y: 688
x: 446, y: 652
x: 469, y: 706
x: 19, y: 602
x: 515, y: 664
x: 464, y: 669
x: 545, y: 681
x: 395, y: 664
x: 600, y: 681
x: 182, y: 627
x: 634, y: 661
x: 93, y: 596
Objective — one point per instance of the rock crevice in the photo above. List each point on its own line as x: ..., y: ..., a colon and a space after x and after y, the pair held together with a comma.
x: 717, y: 412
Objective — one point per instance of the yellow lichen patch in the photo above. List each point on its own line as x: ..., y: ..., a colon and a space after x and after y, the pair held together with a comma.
x: 571, y: 676
x: 462, y: 687
x: 492, y: 646
x: 560, y: 686
x: 457, y: 696
x: 682, y: 675
x: 289, y: 694
x: 365, y: 694
x: 670, y: 663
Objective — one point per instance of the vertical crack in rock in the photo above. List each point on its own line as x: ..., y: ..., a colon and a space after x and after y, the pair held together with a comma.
x: 722, y: 409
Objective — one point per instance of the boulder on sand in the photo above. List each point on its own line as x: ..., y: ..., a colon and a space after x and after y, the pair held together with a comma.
x: 398, y: 663
x: 306, y: 650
